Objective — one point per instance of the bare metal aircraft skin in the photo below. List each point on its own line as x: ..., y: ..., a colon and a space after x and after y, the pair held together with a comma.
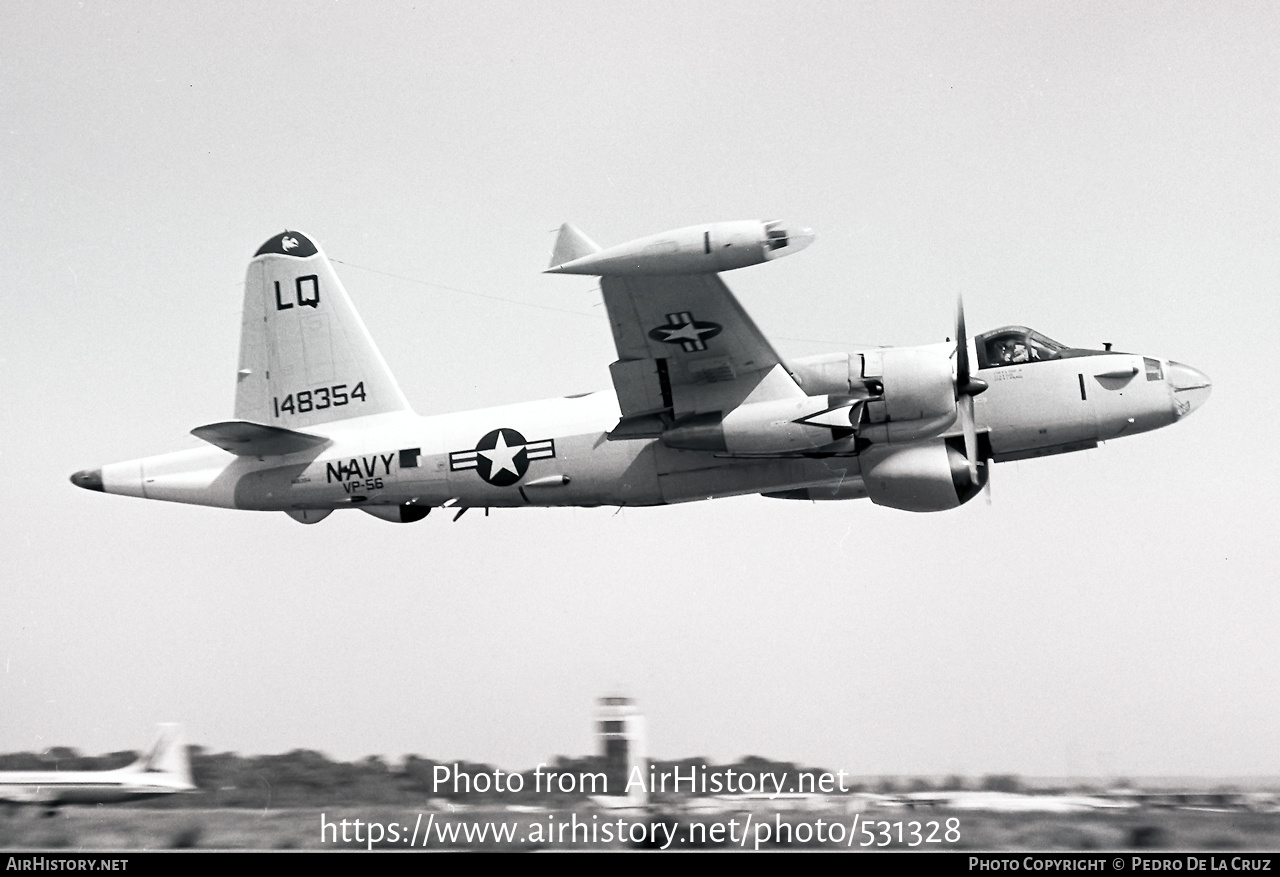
x: 164, y: 770
x: 702, y: 405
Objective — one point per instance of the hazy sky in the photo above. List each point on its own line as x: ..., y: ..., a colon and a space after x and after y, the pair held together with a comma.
x: 1101, y: 172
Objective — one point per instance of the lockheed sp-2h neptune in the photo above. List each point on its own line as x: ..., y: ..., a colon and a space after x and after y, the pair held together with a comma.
x: 702, y: 405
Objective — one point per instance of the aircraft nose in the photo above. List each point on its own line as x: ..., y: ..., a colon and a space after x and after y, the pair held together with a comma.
x: 1190, y: 387
x: 89, y: 479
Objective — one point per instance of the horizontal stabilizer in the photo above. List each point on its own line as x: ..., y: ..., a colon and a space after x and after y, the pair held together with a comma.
x: 247, y: 439
x: 571, y: 244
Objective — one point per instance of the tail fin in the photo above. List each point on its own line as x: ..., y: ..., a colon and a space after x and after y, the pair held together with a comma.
x: 571, y: 244
x: 168, y: 756
x: 305, y: 356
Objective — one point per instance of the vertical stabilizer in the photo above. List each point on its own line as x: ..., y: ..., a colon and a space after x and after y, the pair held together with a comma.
x: 168, y: 756
x: 571, y: 244
x: 305, y: 355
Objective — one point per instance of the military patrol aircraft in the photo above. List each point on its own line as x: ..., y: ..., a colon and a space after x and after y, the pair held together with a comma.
x: 702, y: 405
x: 162, y: 771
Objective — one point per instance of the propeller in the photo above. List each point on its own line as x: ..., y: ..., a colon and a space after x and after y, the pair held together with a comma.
x: 967, y: 386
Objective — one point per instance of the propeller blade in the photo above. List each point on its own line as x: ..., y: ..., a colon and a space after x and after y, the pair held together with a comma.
x: 970, y: 436
x: 966, y: 384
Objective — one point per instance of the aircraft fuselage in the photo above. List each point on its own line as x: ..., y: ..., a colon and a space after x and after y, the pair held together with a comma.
x: 702, y: 405
x: 557, y: 452
x: 164, y: 770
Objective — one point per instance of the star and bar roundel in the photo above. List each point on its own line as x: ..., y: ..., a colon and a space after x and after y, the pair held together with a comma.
x: 502, y: 456
x: 683, y: 329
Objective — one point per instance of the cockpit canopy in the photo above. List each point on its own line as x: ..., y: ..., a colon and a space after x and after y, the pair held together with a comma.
x: 1015, y: 345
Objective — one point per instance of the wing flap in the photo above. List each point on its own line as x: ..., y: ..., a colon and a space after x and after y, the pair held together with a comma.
x: 244, y: 438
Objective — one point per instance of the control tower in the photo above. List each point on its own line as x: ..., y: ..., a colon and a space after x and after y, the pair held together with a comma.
x: 622, y: 746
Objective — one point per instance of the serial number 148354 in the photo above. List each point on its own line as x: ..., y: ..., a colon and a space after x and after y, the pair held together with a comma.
x: 318, y: 399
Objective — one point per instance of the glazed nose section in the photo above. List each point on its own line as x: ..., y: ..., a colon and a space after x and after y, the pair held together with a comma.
x: 1190, y: 387
x: 89, y: 479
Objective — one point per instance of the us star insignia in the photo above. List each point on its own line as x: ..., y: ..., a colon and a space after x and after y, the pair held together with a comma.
x: 683, y: 329
x: 502, y: 456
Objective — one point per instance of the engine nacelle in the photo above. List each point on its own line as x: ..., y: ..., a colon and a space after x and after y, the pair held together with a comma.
x: 926, y: 477
x: 398, y: 514
x: 698, y: 249
x: 917, y: 393
x: 781, y: 426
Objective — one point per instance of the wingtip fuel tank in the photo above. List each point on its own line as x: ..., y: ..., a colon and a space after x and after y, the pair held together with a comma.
x: 696, y: 249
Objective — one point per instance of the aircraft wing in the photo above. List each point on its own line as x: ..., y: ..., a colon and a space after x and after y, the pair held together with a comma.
x: 686, y: 346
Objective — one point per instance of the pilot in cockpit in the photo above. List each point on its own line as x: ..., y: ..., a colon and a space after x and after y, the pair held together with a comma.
x: 1010, y: 351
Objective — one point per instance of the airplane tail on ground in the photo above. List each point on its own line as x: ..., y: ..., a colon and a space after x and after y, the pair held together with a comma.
x: 168, y: 756
x: 306, y: 357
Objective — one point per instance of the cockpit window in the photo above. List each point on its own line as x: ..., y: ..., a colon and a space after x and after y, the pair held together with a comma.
x: 1042, y: 348
x: 1007, y: 350
x: 1015, y: 345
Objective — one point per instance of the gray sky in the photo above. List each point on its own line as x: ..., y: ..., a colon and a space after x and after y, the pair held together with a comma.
x: 1101, y: 172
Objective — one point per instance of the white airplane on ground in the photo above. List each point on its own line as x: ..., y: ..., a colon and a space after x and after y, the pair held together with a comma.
x: 162, y: 771
x: 702, y: 406
x: 1015, y: 802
